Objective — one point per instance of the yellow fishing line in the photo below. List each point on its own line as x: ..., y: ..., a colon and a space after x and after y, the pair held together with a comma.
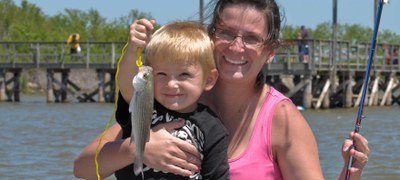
x: 139, y: 61
x: 115, y: 109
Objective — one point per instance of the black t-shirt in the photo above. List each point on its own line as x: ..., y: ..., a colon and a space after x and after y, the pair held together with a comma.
x: 202, y: 128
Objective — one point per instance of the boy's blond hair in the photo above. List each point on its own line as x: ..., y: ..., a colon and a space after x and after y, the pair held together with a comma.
x: 182, y: 42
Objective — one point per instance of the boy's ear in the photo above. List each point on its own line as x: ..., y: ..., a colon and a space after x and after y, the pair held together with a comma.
x: 211, y: 80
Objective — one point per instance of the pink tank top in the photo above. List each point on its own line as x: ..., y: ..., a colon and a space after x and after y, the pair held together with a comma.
x: 256, y: 162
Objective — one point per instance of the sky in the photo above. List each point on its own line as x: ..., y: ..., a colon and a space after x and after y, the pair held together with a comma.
x: 297, y: 12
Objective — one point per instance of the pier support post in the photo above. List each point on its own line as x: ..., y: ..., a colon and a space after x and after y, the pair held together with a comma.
x: 324, y: 96
x: 349, y: 91
x: 101, y: 76
x: 358, y: 101
x: 111, y: 97
x: 326, y: 102
x: 50, y: 90
x: 63, y: 85
x: 16, y: 87
x: 12, y: 93
x: 373, y: 100
x: 64, y: 81
x: 2, y: 85
x: 387, y: 96
x: 307, y: 98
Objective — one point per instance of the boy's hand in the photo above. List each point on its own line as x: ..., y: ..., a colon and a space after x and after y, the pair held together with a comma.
x: 140, y: 33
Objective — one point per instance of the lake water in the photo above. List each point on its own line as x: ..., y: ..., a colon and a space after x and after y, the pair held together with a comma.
x: 40, y: 140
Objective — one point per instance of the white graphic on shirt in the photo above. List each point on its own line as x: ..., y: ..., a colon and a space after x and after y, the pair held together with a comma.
x: 190, y: 132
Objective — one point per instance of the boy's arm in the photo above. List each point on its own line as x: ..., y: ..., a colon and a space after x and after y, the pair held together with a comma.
x: 139, y: 35
x: 127, y: 70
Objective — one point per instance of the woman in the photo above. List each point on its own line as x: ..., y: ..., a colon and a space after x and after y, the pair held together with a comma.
x: 269, y: 138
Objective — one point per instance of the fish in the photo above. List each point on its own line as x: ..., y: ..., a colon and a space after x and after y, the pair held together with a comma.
x: 141, y: 109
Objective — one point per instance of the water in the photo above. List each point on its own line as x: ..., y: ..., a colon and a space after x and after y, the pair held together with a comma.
x: 381, y: 127
x: 40, y: 140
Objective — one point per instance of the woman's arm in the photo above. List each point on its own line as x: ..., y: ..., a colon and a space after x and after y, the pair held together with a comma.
x: 113, y: 153
x: 163, y: 151
x: 294, y: 145
x: 170, y: 154
x: 295, y: 148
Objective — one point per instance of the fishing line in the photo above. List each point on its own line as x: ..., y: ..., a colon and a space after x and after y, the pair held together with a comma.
x: 364, y: 89
x: 139, y: 61
x: 115, y: 107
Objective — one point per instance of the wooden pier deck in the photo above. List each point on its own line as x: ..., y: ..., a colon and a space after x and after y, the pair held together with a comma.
x: 327, y: 80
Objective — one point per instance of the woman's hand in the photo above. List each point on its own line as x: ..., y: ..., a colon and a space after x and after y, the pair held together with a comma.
x: 170, y: 154
x: 359, y: 154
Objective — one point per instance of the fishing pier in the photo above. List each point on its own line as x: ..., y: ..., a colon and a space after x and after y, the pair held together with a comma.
x: 56, y: 59
x: 330, y: 78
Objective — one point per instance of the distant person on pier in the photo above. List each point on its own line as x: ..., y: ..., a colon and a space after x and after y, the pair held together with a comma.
x: 395, y: 56
x: 387, y: 54
x: 392, y: 56
x: 303, y: 37
x: 73, y: 43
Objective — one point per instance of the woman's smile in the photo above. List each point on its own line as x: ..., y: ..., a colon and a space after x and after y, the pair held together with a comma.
x: 235, y: 61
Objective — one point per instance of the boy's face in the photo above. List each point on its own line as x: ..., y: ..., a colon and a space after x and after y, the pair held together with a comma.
x: 178, y: 86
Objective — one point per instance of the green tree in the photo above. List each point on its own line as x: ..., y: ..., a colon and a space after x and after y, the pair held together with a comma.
x: 356, y: 32
x: 322, y: 31
x: 387, y: 36
x: 290, y: 32
x: 24, y: 23
x: 7, y: 11
x: 27, y: 22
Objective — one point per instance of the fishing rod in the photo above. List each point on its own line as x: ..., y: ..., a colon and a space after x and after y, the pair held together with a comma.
x: 364, y: 89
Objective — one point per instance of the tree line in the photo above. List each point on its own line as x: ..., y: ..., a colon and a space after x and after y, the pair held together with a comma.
x: 27, y: 22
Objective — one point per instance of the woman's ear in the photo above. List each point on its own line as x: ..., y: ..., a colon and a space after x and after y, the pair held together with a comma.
x: 270, y: 56
x: 211, y: 80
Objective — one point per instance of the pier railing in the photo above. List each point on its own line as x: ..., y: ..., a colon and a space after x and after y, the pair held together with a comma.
x: 328, y: 78
x: 57, y: 55
x: 349, y: 56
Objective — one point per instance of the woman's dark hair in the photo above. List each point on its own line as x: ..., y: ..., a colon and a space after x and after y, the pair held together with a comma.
x: 272, y: 18
x: 268, y: 7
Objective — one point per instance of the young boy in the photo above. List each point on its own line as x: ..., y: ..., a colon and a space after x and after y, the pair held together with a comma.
x: 181, y: 55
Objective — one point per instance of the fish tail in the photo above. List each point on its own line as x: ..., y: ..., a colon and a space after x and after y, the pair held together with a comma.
x: 138, y: 166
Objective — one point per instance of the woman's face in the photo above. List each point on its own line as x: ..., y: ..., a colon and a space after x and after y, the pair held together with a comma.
x: 239, y: 60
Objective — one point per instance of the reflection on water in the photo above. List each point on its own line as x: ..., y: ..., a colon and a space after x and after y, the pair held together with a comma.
x: 40, y: 140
